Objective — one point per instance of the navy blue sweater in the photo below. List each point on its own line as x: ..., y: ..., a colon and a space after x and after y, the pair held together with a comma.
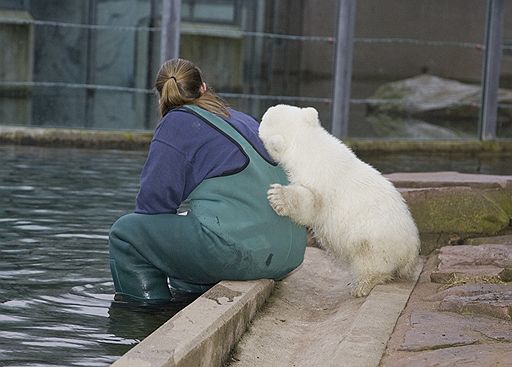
x: 186, y: 150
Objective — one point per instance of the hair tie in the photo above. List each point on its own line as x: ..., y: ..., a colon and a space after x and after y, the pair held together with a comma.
x: 173, y: 78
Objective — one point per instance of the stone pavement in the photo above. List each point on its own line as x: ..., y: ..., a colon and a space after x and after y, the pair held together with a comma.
x: 460, y: 312
x: 312, y: 320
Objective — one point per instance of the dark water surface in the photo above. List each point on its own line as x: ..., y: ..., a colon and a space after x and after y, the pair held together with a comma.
x: 56, y: 207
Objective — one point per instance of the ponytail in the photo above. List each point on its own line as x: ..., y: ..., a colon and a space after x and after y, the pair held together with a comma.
x: 179, y: 82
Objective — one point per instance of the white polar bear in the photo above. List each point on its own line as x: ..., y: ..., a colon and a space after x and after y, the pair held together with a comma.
x: 353, y: 211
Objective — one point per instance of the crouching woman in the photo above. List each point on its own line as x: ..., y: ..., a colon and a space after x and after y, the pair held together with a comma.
x: 202, y: 213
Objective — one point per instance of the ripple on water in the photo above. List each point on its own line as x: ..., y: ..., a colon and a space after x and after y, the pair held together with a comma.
x: 81, y: 235
x: 56, y: 289
x: 29, y: 240
x: 8, y: 220
x: 17, y: 188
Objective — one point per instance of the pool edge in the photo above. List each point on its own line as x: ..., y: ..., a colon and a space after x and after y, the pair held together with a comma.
x: 206, y: 330
x: 140, y: 139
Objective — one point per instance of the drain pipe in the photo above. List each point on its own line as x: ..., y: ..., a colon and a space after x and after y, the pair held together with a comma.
x: 170, y: 30
x: 343, y: 67
x: 491, y: 69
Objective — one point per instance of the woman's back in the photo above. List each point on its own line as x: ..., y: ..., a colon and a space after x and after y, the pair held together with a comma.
x: 186, y: 150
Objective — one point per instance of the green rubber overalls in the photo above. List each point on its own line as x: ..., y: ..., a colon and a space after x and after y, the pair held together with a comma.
x: 230, y: 232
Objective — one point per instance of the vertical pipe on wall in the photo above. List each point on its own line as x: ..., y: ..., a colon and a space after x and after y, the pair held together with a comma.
x: 90, y: 71
x: 491, y: 70
x: 151, y: 60
x: 343, y: 66
x: 170, y: 34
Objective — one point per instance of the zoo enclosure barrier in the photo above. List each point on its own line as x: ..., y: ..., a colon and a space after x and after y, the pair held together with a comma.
x: 165, y: 20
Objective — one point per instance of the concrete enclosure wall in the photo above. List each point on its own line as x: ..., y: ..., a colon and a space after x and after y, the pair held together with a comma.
x: 16, y: 61
x: 232, y: 60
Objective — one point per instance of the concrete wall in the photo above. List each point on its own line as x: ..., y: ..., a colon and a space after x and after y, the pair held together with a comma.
x: 454, y: 20
x: 233, y: 62
x: 16, y: 62
x: 121, y: 58
x: 436, y: 20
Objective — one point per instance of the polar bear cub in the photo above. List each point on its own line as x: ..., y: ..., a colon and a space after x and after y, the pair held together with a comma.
x: 353, y: 211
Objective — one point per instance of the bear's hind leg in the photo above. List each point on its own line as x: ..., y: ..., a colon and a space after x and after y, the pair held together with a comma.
x: 295, y: 201
x: 367, y: 282
x: 369, y: 270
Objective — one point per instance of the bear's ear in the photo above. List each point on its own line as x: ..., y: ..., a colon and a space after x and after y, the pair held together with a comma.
x: 311, y: 116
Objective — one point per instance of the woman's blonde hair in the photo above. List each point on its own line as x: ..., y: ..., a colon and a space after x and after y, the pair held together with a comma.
x: 179, y: 82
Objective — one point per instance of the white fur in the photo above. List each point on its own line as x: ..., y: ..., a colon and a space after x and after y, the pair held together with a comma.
x: 353, y: 210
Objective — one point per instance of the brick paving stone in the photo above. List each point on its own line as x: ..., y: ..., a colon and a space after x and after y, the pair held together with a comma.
x: 487, y: 254
x: 433, y: 330
x: 465, y: 274
x: 468, y: 290
x: 495, y: 304
x: 500, y: 332
x: 487, y: 263
x: 485, y: 355
x: 467, y: 324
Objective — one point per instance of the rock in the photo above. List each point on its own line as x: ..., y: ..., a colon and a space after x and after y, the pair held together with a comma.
x: 449, y: 207
x: 441, y: 212
x: 485, y: 355
x: 498, y: 240
x: 431, y: 330
x: 483, y: 263
x: 384, y: 125
x: 501, y: 332
x: 434, y: 99
x: 495, y: 304
x: 435, y: 330
x: 498, y: 255
x: 467, y: 274
x: 468, y: 290
x: 426, y: 336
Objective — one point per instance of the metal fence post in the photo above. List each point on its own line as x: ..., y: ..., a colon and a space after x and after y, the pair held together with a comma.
x: 343, y: 67
x: 491, y: 70
x: 170, y: 34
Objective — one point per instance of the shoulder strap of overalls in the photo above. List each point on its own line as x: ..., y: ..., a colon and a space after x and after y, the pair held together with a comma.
x: 225, y: 128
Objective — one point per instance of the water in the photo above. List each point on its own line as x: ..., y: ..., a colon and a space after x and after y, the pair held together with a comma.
x: 56, y: 207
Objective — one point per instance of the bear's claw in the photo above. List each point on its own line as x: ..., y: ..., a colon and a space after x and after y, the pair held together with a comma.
x: 361, y: 290
x: 275, y: 197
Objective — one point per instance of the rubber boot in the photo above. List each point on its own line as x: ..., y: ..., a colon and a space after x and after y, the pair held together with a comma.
x: 141, y: 284
x: 135, y: 278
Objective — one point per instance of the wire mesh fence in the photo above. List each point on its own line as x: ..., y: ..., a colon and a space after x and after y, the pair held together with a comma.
x: 91, y: 64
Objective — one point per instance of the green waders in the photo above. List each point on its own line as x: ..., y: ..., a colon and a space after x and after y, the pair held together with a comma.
x: 229, y: 233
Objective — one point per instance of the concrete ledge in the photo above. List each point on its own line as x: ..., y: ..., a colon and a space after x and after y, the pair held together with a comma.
x: 83, y: 138
x: 419, y: 146
x: 203, y: 333
x: 312, y: 320
x: 449, y: 179
x: 366, y: 340
x: 77, y: 138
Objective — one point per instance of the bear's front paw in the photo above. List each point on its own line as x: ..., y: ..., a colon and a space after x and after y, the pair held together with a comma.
x: 276, y: 199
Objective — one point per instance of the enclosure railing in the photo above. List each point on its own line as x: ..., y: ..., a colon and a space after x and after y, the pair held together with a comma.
x: 343, y: 41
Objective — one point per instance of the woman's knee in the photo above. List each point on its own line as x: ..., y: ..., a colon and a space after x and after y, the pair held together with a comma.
x: 124, y: 232
x: 124, y: 224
